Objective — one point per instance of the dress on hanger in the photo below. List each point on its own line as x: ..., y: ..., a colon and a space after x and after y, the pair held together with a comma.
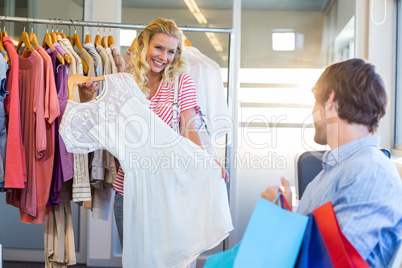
x: 118, y: 59
x: 15, y: 175
x: 33, y: 127
x: 211, y: 96
x: 175, y: 200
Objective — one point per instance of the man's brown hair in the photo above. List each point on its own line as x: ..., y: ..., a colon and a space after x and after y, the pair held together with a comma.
x: 359, y: 92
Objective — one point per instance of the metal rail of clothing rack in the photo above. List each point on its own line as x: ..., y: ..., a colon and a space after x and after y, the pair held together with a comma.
x: 231, y: 61
x: 108, y: 24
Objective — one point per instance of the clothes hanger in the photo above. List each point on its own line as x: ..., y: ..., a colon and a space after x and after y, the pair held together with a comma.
x: 97, y: 39
x: 4, y: 28
x: 69, y: 37
x: 32, y: 38
x: 4, y: 33
x: 1, y: 42
x: 110, y: 40
x: 187, y: 43
x: 47, y: 41
x: 2, y: 45
x: 77, y: 43
x: 57, y: 33
x: 24, y: 39
x: 63, y: 35
x: 88, y: 37
x: 53, y: 35
x: 104, y: 40
x: 132, y: 45
x: 76, y: 79
x: 66, y: 56
x: 3, y: 49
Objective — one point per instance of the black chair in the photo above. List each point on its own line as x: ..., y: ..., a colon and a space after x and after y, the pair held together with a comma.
x: 309, y: 164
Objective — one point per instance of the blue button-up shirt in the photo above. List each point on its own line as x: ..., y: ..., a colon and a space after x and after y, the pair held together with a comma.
x: 365, y: 189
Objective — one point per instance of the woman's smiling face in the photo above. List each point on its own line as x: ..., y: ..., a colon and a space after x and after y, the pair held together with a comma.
x: 161, y: 52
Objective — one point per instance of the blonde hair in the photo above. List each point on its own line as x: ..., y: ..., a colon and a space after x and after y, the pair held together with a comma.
x: 139, y: 67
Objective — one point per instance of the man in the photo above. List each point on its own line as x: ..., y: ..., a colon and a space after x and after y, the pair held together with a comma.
x: 361, y: 182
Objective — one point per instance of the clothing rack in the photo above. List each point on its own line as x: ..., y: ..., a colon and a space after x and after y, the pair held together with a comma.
x: 231, y: 53
x: 108, y: 24
x: 231, y: 65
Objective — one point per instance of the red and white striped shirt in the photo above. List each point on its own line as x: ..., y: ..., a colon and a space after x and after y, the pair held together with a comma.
x: 161, y: 104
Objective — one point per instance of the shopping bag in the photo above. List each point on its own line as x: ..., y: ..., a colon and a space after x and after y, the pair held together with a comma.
x: 223, y: 259
x: 313, y: 251
x: 342, y: 252
x: 272, y: 238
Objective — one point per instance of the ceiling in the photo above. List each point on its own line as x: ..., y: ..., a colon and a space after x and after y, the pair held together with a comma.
x: 310, y: 5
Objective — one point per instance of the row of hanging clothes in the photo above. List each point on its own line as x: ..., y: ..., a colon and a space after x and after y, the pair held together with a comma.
x: 37, y: 173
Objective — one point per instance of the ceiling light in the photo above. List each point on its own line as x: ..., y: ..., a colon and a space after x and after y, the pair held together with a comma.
x: 284, y: 41
x: 214, y: 41
x: 193, y: 7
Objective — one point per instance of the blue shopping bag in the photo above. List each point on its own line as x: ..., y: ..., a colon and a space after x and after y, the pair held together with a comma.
x: 223, y: 259
x: 313, y: 252
x: 272, y: 238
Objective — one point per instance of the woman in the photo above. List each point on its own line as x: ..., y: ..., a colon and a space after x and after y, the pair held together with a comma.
x: 156, y: 61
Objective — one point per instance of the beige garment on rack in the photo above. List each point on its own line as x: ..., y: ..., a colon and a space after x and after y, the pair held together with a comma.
x: 95, y: 158
x: 59, y: 233
x: 84, y: 55
x: 103, y: 193
x: 111, y: 60
x: 81, y: 187
x: 72, y: 67
x: 126, y: 56
x: 107, y: 67
x: 118, y: 59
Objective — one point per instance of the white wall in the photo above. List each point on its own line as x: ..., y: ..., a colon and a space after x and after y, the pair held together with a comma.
x: 58, y: 9
x: 380, y: 53
x: 256, y: 43
x: 346, y: 10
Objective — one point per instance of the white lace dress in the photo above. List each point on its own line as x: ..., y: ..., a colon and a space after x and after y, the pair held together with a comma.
x: 175, y: 200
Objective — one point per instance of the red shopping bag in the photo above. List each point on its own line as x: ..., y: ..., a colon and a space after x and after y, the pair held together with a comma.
x: 342, y: 252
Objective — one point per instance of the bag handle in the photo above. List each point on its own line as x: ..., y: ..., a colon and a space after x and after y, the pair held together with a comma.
x: 282, y: 201
x: 175, y: 121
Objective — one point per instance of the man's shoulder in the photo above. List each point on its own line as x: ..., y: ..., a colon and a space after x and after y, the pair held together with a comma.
x: 369, y: 157
x: 370, y: 164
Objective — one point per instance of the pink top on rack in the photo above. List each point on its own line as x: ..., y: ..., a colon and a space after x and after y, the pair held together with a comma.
x: 15, y: 176
x: 33, y: 128
x: 44, y: 165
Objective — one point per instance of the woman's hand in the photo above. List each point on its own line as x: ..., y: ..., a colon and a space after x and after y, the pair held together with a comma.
x: 272, y: 192
x: 88, y: 90
x: 188, y: 130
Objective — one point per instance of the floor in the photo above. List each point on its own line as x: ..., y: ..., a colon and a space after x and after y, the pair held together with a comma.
x: 13, y: 264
